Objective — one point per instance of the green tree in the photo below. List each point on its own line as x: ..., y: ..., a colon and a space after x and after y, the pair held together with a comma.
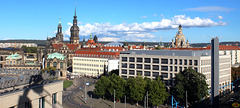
x: 50, y: 70
x: 193, y: 82
x: 235, y: 73
x: 158, y: 48
x: 101, y: 86
x: 136, y: 88
x: 157, y: 92
x: 119, y: 84
x: 29, y: 49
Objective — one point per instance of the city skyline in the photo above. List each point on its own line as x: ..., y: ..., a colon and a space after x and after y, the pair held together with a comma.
x: 121, y: 20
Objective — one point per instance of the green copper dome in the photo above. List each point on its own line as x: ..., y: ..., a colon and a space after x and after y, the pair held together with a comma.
x: 56, y: 55
x: 14, y: 56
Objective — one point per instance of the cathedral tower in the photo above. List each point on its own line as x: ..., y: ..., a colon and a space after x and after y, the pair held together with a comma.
x: 95, y: 39
x: 180, y: 41
x: 59, y: 34
x: 74, y: 39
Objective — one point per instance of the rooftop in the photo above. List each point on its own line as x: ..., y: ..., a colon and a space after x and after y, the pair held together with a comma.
x: 56, y: 55
x: 14, y: 56
x: 97, y: 54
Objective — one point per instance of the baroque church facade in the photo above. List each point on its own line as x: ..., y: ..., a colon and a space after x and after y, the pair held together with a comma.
x: 180, y: 40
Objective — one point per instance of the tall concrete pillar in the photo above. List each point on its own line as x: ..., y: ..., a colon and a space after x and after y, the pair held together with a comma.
x: 215, y: 72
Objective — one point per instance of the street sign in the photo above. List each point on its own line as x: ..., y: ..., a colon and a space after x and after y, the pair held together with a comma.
x: 87, y: 83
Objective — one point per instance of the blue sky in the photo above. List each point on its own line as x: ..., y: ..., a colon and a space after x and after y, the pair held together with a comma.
x: 119, y: 20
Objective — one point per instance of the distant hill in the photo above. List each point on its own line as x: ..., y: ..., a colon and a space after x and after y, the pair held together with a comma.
x: 38, y: 42
x: 43, y: 43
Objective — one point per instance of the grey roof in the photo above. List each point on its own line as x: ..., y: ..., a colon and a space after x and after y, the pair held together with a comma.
x: 169, y: 52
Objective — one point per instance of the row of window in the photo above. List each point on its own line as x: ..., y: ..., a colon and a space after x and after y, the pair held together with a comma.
x: 88, y: 69
x: 90, y: 60
x: 224, y: 60
x: 206, y: 62
x: 13, y: 62
x: 147, y: 73
x: 92, y: 65
x: 94, y: 55
x: 163, y: 61
x: 154, y: 67
x: 55, y: 64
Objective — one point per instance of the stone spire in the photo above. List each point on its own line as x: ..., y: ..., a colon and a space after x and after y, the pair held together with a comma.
x: 74, y: 39
x: 95, y: 39
x: 59, y: 34
x: 91, y: 36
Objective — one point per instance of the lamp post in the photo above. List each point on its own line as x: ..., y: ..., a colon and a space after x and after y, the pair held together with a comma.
x: 114, y: 99
x: 85, y: 92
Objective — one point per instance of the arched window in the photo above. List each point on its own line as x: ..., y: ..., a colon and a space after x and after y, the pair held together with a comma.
x: 48, y: 64
x: 55, y: 64
x: 61, y: 65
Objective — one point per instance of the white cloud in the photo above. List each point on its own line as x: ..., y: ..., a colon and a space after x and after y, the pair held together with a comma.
x: 8, y: 39
x: 143, y: 30
x: 209, y: 9
x: 109, y: 39
x: 66, y: 38
x: 155, y: 15
x: 220, y: 17
x: 143, y: 16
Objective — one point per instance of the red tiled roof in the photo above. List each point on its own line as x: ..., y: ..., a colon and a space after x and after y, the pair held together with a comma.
x: 90, y: 49
x: 111, y: 48
x: 97, y: 54
x: 57, y: 46
x: 91, y: 42
x: 135, y: 47
x: 221, y: 47
x: 224, y: 47
x: 73, y: 46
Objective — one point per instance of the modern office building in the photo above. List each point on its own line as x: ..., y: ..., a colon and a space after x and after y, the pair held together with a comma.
x: 233, y: 51
x: 166, y: 63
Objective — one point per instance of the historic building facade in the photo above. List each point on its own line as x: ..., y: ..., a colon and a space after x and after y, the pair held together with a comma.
x: 56, y: 44
x: 20, y: 61
x: 58, y: 61
x: 5, y: 52
x: 180, y: 41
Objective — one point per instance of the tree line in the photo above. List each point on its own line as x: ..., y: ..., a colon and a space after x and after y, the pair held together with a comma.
x: 135, y: 89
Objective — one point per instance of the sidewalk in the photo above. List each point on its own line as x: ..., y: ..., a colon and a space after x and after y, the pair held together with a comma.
x: 99, y: 103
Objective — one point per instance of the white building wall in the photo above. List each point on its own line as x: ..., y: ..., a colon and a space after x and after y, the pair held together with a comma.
x: 113, y: 64
x: 235, y: 55
x: 89, y: 66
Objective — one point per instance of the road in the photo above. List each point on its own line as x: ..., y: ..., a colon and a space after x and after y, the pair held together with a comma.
x: 70, y: 94
x: 73, y: 97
